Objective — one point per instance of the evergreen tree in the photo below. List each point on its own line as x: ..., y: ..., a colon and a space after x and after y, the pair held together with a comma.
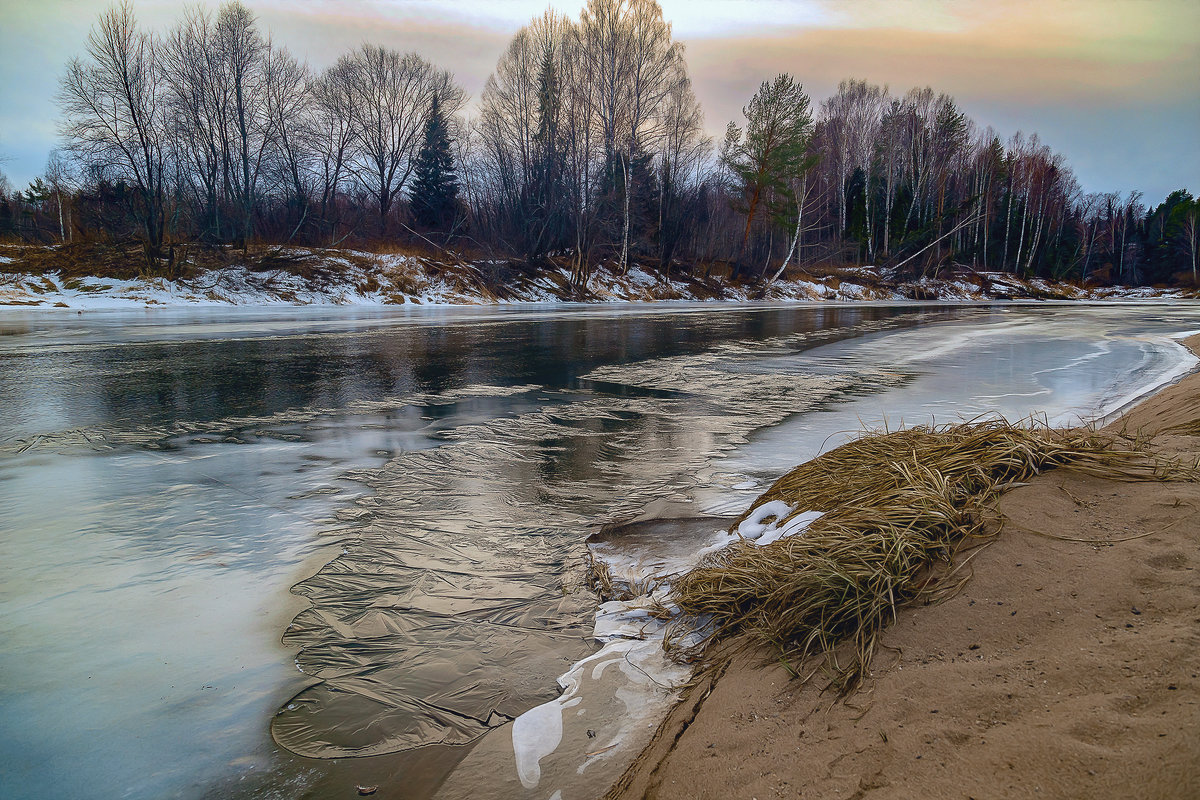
x: 543, y: 213
x: 773, y: 152
x: 435, y: 184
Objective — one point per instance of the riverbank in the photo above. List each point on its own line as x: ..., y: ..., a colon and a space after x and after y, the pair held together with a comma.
x: 1068, y: 666
x: 74, y: 277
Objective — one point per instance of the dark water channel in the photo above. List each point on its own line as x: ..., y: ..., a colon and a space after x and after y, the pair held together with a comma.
x: 424, y: 479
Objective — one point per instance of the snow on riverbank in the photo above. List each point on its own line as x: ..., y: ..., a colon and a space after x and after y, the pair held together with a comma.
x: 346, y: 278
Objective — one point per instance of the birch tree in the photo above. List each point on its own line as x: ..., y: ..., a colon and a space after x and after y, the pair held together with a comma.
x: 60, y: 180
x: 1191, y: 235
x: 629, y: 52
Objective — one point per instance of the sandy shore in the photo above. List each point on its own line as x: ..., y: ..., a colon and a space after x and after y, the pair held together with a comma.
x: 1066, y: 668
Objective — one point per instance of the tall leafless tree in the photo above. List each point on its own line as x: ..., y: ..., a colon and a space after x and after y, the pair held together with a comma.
x: 392, y: 93
x: 115, y: 115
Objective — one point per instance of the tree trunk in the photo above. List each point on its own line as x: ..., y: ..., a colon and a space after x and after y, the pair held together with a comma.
x: 796, y: 235
x: 1021, y: 235
x: 867, y: 207
x: 624, y: 265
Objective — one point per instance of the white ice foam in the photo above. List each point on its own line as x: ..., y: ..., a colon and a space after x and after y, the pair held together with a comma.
x: 755, y: 528
x: 755, y: 524
x: 538, y: 732
x: 793, y: 526
x: 1185, y: 362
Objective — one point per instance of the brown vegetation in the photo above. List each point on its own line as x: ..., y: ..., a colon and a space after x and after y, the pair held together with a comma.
x: 898, y: 507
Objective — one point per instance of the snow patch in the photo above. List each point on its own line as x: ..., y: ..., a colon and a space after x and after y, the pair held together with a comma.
x: 358, y: 278
x: 756, y: 528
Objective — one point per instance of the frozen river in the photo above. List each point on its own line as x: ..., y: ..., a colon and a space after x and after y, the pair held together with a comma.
x: 194, y: 503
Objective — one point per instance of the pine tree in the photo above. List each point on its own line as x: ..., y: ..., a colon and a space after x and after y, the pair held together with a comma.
x: 773, y: 154
x: 435, y: 184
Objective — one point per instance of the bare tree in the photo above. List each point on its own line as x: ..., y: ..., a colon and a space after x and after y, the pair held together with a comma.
x: 863, y: 105
x: 392, y: 94
x: 288, y: 108
x: 330, y: 135
x: 800, y: 191
x: 890, y: 153
x: 988, y: 167
x: 582, y: 148
x: 629, y: 52
x: 1191, y: 235
x: 250, y: 129
x: 230, y: 94
x: 523, y: 130
x: 684, y: 148
x: 115, y: 117
x: 853, y: 118
x: 1131, y: 211
x: 919, y: 113
x: 198, y: 108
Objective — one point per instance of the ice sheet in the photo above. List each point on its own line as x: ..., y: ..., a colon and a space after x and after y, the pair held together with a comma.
x: 173, y: 470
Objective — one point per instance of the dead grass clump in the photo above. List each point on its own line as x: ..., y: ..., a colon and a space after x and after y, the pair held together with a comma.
x: 897, y: 507
x: 601, y: 581
x: 319, y: 268
x: 279, y: 259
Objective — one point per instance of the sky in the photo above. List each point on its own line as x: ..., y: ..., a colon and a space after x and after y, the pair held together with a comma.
x: 1114, y: 85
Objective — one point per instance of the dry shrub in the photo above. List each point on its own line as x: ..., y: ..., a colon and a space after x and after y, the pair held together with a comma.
x: 898, y: 506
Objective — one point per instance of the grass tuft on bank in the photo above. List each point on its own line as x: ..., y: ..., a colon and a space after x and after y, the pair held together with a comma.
x: 898, y: 508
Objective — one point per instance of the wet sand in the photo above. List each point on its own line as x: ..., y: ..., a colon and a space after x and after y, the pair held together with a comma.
x: 1068, y: 667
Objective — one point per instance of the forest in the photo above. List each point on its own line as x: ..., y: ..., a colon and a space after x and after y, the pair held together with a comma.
x: 587, y: 146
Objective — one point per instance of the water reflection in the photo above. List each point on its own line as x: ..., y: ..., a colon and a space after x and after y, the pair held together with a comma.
x: 86, y: 376
x: 427, y: 479
x: 162, y: 486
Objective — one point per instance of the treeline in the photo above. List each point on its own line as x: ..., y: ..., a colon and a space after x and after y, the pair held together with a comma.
x: 587, y: 146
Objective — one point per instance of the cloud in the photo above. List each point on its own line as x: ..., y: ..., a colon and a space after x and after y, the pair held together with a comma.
x: 1116, y: 88
x: 1114, y: 84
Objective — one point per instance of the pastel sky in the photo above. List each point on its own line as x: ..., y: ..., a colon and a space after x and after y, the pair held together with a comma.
x: 1114, y: 85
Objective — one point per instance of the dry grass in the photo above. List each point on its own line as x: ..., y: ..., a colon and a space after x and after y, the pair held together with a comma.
x: 396, y: 248
x: 601, y: 581
x: 122, y: 259
x: 126, y: 259
x: 1187, y: 428
x: 898, y: 506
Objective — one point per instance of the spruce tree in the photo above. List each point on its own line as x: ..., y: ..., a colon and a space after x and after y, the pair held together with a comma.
x: 542, y: 200
x: 435, y: 184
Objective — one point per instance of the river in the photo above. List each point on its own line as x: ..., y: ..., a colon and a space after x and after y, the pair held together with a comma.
x: 352, y: 532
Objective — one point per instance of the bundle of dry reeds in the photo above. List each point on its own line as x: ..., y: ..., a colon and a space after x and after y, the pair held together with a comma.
x: 897, y: 507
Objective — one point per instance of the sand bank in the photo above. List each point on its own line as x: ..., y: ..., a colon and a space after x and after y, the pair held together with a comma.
x: 1069, y: 666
